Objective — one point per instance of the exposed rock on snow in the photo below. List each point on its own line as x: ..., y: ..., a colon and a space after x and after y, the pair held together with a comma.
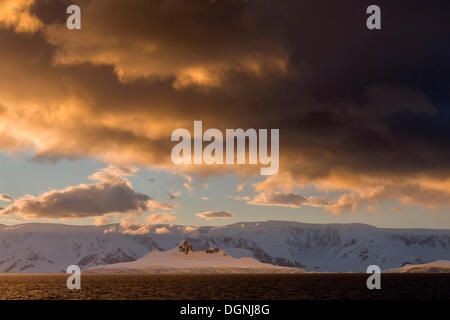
x: 183, y: 259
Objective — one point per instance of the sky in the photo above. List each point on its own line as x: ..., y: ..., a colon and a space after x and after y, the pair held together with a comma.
x: 86, y: 116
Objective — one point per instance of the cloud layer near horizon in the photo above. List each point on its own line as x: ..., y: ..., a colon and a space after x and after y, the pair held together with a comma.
x: 110, y: 195
x: 360, y: 113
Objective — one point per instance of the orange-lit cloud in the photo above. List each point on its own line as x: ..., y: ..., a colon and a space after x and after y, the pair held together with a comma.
x: 17, y: 14
x: 160, y: 218
x: 111, y: 194
x: 5, y: 197
x: 115, y: 91
x: 148, y: 46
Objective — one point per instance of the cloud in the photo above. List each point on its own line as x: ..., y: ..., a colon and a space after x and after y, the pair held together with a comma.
x: 371, y: 198
x: 110, y: 194
x: 239, y: 198
x: 162, y: 230
x: 190, y: 229
x: 146, y: 47
x: 115, y: 92
x: 135, y: 229
x: 156, y: 205
x: 355, y: 196
x: 292, y: 200
x: 17, y: 14
x: 159, y: 218
x: 103, y: 220
x: 240, y: 187
x: 131, y: 224
x: 6, y: 198
x: 209, y: 215
x: 174, y: 195
x: 140, y: 229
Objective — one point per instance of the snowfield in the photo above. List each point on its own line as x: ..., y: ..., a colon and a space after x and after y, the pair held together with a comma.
x: 183, y: 259
x: 45, y: 248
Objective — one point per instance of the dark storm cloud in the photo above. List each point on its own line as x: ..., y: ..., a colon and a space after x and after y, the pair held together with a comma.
x: 358, y: 110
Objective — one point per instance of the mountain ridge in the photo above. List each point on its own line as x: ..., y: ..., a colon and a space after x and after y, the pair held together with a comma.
x: 352, y: 224
x: 183, y: 259
x: 35, y: 248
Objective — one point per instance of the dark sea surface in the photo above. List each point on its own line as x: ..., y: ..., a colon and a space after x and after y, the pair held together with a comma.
x: 227, y: 287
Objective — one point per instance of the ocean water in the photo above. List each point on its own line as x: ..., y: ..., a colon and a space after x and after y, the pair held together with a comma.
x: 226, y: 287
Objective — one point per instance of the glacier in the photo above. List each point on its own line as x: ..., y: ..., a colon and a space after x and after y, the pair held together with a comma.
x: 50, y: 248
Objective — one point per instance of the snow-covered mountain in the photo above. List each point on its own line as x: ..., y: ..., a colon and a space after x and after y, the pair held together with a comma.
x: 184, y: 259
x: 441, y: 266
x: 31, y: 248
